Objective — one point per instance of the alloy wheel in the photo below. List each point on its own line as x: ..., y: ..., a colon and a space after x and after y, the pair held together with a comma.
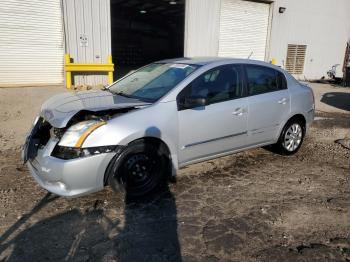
x: 293, y: 137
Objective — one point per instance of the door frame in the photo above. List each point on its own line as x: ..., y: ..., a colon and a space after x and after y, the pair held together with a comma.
x: 242, y: 97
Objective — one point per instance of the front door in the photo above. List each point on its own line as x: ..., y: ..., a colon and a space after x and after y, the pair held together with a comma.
x: 221, y: 125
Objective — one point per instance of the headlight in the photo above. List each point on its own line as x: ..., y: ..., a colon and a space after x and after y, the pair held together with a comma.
x: 68, y: 153
x: 76, y: 134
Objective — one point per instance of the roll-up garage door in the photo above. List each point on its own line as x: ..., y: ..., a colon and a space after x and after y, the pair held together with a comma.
x: 243, y: 29
x: 31, y: 42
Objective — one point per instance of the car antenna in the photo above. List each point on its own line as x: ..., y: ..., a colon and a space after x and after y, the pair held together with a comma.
x: 250, y: 55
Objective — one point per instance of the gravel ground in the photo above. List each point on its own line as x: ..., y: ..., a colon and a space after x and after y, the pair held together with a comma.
x: 251, y: 206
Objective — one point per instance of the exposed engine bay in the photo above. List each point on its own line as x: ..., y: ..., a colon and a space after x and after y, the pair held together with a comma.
x: 84, y: 115
x: 42, y: 132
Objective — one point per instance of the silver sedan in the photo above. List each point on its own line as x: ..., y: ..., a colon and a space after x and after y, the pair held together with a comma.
x: 164, y: 116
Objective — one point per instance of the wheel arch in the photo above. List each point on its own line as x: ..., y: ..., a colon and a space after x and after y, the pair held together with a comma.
x: 299, y: 117
x: 146, y: 139
x: 153, y: 140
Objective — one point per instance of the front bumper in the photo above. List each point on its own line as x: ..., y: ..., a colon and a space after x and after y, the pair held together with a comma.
x: 69, y: 178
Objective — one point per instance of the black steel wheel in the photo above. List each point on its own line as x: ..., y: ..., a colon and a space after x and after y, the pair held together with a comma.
x: 139, y: 169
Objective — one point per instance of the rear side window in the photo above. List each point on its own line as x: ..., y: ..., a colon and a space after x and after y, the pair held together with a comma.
x: 264, y: 80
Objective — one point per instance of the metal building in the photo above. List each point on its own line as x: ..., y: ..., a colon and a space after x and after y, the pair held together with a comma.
x: 31, y: 42
x: 306, y: 37
x: 88, y: 35
x: 134, y: 32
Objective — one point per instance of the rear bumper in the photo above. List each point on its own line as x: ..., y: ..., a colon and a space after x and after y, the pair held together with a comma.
x: 69, y: 178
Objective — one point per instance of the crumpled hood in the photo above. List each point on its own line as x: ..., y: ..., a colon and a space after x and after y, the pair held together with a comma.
x: 59, y: 109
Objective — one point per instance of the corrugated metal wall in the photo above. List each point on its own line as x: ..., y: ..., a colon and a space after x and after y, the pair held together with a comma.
x: 31, y: 42
x: 202, y: 27
x: 88, y: 35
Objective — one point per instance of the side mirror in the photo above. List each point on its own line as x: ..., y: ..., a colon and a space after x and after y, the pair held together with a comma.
x: 195, y: 101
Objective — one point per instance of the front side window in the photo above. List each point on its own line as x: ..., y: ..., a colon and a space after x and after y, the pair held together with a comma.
x: 152, y: 81
x: 263, y: 80
x: 217, y: 85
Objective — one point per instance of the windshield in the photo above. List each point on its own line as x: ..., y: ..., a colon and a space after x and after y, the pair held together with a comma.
x: 153, y: 81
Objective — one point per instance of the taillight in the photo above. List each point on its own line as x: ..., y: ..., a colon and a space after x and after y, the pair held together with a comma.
x: 313, y: 97
x: 312, y: 93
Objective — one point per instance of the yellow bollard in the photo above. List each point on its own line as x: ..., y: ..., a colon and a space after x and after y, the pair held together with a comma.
x: 110, y: 73
x: 273, y: 61
x: 68, y: 73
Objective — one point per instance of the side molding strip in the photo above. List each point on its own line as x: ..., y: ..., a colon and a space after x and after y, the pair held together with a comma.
x: 214, y: 139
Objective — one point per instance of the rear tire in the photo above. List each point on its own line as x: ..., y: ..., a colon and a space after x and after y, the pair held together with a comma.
x: 291, y: 137
x: 139, y: 169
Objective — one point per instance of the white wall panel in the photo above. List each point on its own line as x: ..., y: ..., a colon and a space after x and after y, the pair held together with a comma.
x: 202, y: 27
x: 31, y: 42
x: 322, y: 25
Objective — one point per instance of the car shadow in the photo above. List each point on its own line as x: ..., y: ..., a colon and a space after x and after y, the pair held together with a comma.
x: 145, y: 230
x: 41, y: 204
x: 150, y: 230
x: 338, y: 100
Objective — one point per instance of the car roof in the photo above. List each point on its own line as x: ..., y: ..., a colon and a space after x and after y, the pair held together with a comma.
x: 194, y: 60
x: 209, y: 60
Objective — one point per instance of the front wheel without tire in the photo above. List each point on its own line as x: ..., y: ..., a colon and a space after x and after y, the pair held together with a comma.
x: 139, y: 169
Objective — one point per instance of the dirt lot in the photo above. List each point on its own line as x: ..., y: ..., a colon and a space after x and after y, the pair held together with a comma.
x: 252, y: 206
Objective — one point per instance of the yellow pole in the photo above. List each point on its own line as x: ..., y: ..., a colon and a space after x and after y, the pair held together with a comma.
x: 68, y: 73
x: 110, y: 73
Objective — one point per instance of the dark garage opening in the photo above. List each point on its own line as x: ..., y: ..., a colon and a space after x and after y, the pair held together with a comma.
x: 145, y: 31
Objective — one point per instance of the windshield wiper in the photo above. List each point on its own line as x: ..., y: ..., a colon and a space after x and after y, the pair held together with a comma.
x: 134, y: 97
x: 107, y: 90
x: 122, y: 94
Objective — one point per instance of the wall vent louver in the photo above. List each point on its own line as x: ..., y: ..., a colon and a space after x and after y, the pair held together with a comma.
x: 295, y: 59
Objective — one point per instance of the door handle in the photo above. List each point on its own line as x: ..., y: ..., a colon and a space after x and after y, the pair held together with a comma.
x: 283, y: 101
x: 238, y: 111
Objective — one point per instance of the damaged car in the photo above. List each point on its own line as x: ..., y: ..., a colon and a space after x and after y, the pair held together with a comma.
x: 164, y: 116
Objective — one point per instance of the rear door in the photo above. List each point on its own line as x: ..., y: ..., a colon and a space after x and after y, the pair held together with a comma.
x: 221, y: 125
x: 268, y: 103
